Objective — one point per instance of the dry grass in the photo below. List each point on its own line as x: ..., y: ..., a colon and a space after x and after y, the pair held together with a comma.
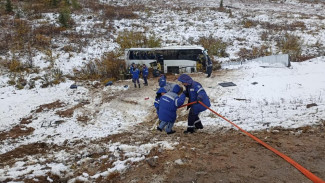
x: 290, y: 44
x: 109, y: 66
x: 129, y: 39
x: 215, y: 46
x: 255, y: 52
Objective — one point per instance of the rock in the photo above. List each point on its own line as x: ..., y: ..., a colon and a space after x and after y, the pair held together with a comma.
x: 73, y: 86
x: 110, y: 83
x: 152, y: 162
x: 311, y: 105
x: 179, y: 162
x: 275, y: 131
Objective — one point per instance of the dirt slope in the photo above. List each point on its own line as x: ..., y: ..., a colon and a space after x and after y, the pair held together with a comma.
x: 230, y: 156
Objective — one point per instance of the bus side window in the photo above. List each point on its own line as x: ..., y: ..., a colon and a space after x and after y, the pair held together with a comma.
x: 136, y: 55
x: 151, y: 55
x: 131, y: 56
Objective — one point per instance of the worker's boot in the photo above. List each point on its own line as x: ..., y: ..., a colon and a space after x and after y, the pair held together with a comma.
x: 198, y: 125
x: 139, y: 85
x: 171, y: 132
x: 135, y: 85
x: 189, y: 130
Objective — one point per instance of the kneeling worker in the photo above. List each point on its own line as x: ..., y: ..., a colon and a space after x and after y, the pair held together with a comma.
x: 168, y: 105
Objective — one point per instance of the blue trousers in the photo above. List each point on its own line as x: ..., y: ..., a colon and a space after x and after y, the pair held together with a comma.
x: 136, y: 80
x: 209, y: 71
x: 145, y: 79
x: 193, y: 120
x: 168, y: 124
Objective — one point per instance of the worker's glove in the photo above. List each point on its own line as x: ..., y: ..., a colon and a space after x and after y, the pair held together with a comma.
x: 189, y: 106
x: 199, y: 99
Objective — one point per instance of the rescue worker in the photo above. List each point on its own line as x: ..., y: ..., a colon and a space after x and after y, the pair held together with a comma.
x: 159, y: 93
x: 209, y: 66
x: 135, y: 75
x: 162, y: 80
x: 131, y: 67
x: 145, y: 73
x: 195, y: 92
x: 168, y: 105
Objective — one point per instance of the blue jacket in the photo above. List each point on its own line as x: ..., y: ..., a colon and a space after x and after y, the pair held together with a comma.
x: 135, y: 73
x: 194, y: 91
x: 131, y: 69
x: 156, y: 103
x: 162, y: 81
x: 168, y: 105
x: 145, y: 72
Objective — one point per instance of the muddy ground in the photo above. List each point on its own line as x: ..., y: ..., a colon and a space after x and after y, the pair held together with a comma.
x: 231, y: 156
x: 206, y: 156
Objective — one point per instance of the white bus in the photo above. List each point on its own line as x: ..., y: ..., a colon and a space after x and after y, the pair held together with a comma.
x: 176, y: 59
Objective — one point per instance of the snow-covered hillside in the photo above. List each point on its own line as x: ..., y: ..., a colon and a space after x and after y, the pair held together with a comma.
x: 57, y: 129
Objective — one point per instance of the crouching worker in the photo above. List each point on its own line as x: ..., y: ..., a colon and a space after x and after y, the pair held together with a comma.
x: 168, y: 105
x: 159, y: 93
x: 195, y: 92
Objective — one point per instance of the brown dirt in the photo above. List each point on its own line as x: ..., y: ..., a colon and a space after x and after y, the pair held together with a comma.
x: 18, y: 130
x: 53, y: 105
x: 21, y: 152
x: 208, y: 155
x: 69, y: 112
x: 230, y: 156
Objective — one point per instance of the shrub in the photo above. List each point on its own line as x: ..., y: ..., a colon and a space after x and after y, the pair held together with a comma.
x: 53, y: 78
x: 75, y: 4
x: 215, y: 46
x: 129, y: 39
x: 22, y: 33
x: 31, y: 84
x: 248, y: 23
x: 65, y: 17
x: 54, y: 3
x: 48, y: 30
x: 216, y: 65
x: 46, y: 81
x: 12, y: 80
x: 9, y: 8
x: 264, y: 35
x: 297, y: 25
x: 254, y: 52
x: 109, y: 66
x: 21, y: 82
x: 57, y: 76
x: 42, y: 41
x: 119, y: 12
x: 291, y: 45
x: 15, y: 66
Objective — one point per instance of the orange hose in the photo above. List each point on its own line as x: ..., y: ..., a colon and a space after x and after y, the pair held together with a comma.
x: 303, y: 170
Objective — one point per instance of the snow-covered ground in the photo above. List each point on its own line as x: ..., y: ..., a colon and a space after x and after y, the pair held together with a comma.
x: 264, y: 97
x: 270, y: 96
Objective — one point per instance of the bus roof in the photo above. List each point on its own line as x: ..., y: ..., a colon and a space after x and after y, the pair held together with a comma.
x: 168, y: 48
